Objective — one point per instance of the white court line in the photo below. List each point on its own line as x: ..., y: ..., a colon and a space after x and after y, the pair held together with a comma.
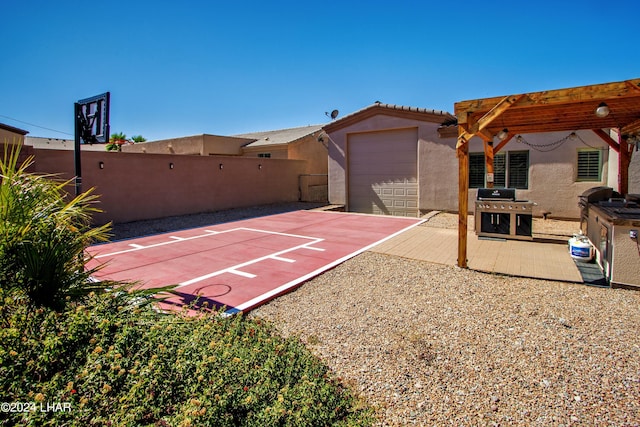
x: 236, y: 267
x: 136, y: 247
x: 280, y: 289
x: 279, y: 258
x: 241, y: 273
x: 313, y: 249
x: 176, y: 238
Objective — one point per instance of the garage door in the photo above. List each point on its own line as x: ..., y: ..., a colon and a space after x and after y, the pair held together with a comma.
x: 383, y: 172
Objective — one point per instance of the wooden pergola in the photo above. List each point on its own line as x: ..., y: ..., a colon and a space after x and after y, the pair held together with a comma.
x: 548, y: 111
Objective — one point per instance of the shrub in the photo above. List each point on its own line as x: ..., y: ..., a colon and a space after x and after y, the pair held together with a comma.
x: 118, y: 363
x: 43, y: 234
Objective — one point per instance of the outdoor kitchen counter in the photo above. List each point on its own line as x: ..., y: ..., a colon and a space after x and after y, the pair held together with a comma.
x: 611, y: 229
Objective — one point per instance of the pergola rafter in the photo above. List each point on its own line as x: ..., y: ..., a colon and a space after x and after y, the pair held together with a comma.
x: 568, y: 109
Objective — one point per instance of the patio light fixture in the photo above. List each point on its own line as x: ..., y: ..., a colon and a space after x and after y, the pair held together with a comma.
x: 602, y: 110
x: 101, y: 165
x: 502, y: 135
x: 220, y: 166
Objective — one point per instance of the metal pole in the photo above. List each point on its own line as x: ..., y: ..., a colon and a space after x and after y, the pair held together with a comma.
x: 77, y: 158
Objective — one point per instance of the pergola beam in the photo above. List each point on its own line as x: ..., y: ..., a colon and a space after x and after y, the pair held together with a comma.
x: 631, y: 128
x: 502, y: 143
x: 607, y: 138
x: 561, y: 96
x: 484, y: 121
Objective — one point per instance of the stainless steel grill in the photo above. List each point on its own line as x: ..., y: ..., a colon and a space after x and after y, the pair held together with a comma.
x: 611, y: 222
x: 499, y: 214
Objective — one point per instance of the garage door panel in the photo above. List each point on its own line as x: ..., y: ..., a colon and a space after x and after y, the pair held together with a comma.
x: 383, y: 173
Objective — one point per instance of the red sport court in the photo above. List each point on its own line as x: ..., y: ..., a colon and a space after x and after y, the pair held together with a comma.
x: 242, y: 264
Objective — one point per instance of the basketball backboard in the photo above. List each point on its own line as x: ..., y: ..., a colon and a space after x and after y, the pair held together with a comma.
x: 92, y: 119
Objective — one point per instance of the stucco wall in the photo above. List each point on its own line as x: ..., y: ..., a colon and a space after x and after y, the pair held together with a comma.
x: 141, y: 186
x: 311, y: 150
x: 552, y: 174
x: 26, y: 151
x: 308, y: 149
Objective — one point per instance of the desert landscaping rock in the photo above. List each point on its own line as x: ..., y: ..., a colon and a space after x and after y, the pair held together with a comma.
x: 438, y: 345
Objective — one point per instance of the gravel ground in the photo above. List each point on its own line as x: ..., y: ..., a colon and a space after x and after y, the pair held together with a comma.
x: 435, y: 345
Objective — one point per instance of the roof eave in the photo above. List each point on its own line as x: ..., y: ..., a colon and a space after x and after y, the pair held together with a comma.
x: 413, y: 113
x: 13, y: 129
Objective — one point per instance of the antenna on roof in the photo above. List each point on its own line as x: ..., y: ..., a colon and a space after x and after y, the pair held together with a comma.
x: 333, y: 114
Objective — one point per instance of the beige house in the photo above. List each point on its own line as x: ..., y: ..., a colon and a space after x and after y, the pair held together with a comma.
x: 44, y: 143
x: 390, y: 159
x: 11, y: 135
x: 301, y: 143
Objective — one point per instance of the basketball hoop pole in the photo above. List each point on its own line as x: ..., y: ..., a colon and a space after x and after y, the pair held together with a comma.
x: 77, y: 158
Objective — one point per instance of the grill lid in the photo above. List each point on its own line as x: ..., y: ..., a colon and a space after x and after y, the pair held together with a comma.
x: 597, y: 194
x: 496, y: 194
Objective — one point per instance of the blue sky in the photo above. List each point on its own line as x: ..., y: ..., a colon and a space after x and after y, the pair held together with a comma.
x: 177, y: 68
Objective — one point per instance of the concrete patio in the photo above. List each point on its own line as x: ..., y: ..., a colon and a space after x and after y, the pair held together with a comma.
x: 546, y: 257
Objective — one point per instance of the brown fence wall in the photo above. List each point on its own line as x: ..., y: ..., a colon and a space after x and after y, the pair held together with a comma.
x: 136, y: 186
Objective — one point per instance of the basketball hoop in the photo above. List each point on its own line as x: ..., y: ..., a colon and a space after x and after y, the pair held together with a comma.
x: 91, y: 117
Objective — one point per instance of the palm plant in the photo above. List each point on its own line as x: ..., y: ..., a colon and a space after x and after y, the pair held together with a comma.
x: 118, y: 136
x: 138, y: 138
x: 115, y: 141
x: 43, y: 234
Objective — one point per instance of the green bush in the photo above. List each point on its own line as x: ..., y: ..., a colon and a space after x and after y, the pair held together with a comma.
x: 118, y: 363
x: 43, y: 234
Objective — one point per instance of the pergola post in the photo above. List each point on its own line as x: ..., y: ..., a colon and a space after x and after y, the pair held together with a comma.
x: 488, y: 163
x: 462, y: 151
x: 621, y: 146
x: 624, y: 159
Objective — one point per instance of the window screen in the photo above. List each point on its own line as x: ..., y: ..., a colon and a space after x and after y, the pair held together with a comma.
x: 509, y: 170
x: 519, y: 169
x: 476, y: 170
x: 589, y: 165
